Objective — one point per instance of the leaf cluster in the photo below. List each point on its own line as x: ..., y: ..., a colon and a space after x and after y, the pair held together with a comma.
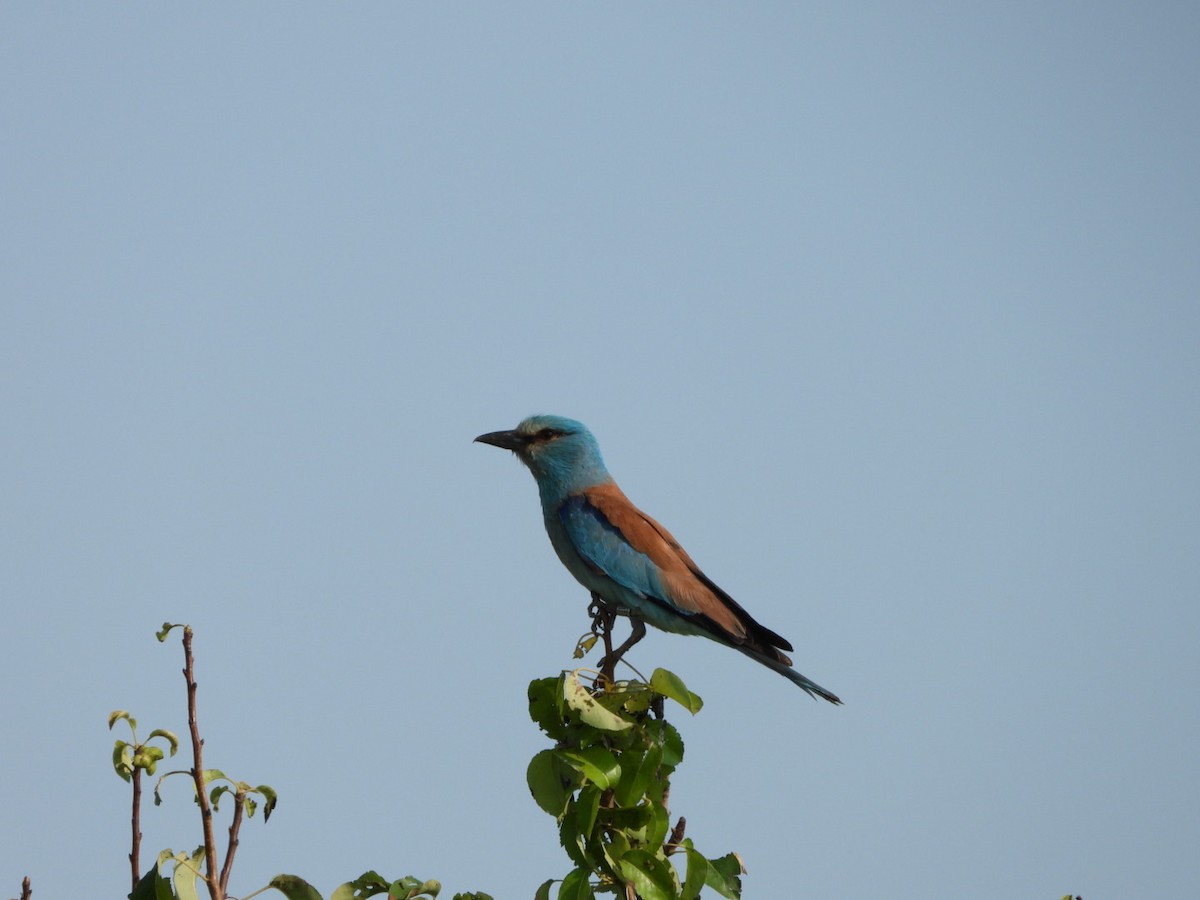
x: 371, y: 883
x: 242, y: 792
x: 131, y: 756
x: 607, y: 782
x: 183, y: 881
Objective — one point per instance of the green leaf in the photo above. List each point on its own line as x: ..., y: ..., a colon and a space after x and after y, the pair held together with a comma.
x: 154, y: 885
x: 652, y: 878
x: 214, y: 796
x: 615, y: 847
x: 585, y: 644
x: 587, y: 804
x: 671, y: 685
x: 723, y: 876
x: 546, y: 783
x: 294, y: 887
x: 665, y: 734
x: 212, y: 775
x: 270, y: 796
x: 623, y: 793
x: 410, y: 887
x: 628, y: 700
x: 545, y: 708
x: 631, y: 820
x: 187, y: 872
x: 697, y: 872
x: 473, y: 895
x: 542, y: 893
x: 658, y: 826
x: 637, y: 772
x: 368, y: 884
x: 169, y: 736
x: 122, y: 759
x: 590, y: 712
x: 636, y: 701
x: 158, y: 784
x: 574, y: 843
x: 117, y: 715
x: 575, y: 886
x: 166, y: 629
x: 144, y: 889
x: 596, y: 764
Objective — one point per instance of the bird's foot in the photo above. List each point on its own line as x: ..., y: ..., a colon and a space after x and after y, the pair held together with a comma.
x: 604, y: 617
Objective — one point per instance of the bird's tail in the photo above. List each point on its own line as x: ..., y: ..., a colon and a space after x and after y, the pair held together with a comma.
x: 784, y: 667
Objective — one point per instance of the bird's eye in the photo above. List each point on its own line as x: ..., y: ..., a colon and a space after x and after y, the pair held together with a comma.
x: 547, y: 434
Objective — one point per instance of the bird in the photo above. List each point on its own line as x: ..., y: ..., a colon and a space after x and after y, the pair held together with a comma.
x: 630, y: 562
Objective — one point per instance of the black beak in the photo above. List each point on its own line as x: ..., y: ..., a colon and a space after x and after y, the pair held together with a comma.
x: 505, y: 440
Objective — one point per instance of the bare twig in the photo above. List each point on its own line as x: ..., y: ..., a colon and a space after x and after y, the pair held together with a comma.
x: 215, y: 886
x: 135, y: 852
x: 239, y: 802
x: 26, y: 890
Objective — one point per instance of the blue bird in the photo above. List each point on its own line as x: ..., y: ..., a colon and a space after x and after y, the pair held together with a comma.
x: 624, y: 557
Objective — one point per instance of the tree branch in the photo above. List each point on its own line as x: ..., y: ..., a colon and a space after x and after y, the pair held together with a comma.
x: 135, y: 852
x: 215, y: 888
x: 239, y: 801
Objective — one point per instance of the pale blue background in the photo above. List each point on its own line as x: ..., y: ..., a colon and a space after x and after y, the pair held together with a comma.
x: 889, y: 311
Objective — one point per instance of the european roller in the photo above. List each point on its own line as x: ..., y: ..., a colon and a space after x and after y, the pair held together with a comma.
x: 625, y: 558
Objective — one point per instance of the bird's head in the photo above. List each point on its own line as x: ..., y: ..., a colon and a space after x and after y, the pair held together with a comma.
x: 561, y: 453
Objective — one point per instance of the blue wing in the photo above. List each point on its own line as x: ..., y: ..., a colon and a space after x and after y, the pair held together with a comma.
x: 606, y: 550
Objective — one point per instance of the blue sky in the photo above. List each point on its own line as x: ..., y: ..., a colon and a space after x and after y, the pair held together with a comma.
x: 890, y: 313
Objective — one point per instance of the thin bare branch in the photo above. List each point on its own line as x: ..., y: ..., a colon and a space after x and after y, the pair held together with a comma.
x: 239, y: 802
x: 215, y: 887
x: 135, y: 852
